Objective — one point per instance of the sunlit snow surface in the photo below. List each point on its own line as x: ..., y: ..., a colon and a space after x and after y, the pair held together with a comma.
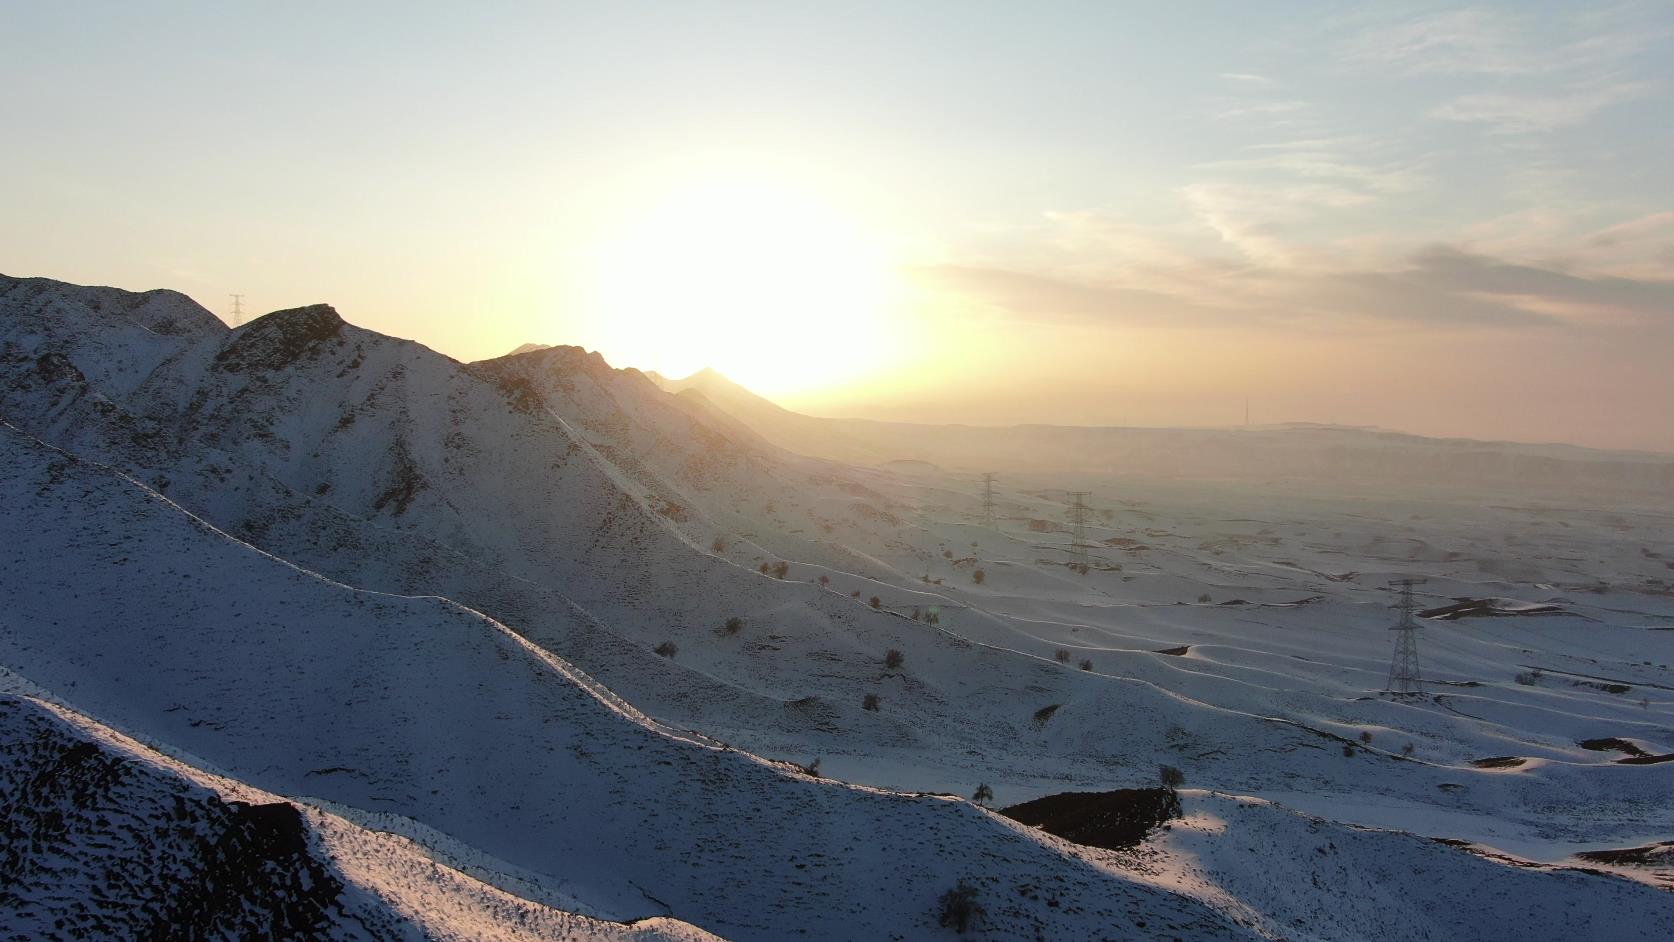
x: 424, y: 598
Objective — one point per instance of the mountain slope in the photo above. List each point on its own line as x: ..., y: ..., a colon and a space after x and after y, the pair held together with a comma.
x: 419, y: 708
x: 106, y: 838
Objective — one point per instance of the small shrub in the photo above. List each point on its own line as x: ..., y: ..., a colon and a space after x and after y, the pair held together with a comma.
x: 947, y: 554
x: 855, y: 594
x: 734, y: 624
x: 667, y: 649
x: 1407, y: 749
x: 979, y: 577
x: 1062, y: 655
x: 780, y: 568
x: 1086, y: 664
x: 1045, y: 714
x: 1170, y: 776
x: 959, y: 910
x: 870, y: 702
x: 1204, y: 598
x: 1348, y: 750
x: 1528, y: 678
x: 876, y: 602
x: 825, y: 580
x: 893, y: 659
x: 764, y: 569
x: 812, y: 768
x: 1366, y: 736
x: 982, y: 794
x: 719, y: 546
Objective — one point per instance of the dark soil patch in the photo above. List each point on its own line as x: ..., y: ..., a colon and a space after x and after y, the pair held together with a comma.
x: 1180, y: 651
x: 1496, y: 608
x: 1660, y: 854
x: 1499, y: 762
x: 1613, y: 744
x: 1116, y: 820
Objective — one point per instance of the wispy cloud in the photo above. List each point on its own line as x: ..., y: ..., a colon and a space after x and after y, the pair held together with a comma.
x: 1453, y: 42
x: 1527, y: 114
x: 1438, y: 288
x: 1249, y: 79
x: 1253, y: 107
x: 1496, y: 43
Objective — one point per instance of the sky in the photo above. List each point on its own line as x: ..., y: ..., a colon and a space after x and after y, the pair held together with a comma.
x: 1450, y: 220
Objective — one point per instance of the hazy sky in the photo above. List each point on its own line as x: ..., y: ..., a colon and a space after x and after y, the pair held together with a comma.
x: 1450, y: 220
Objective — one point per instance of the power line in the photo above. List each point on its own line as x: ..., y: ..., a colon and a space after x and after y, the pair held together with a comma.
x: 238, y: 309
x: 1404, y: 677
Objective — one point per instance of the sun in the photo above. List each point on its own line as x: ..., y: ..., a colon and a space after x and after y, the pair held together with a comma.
x: 766, y: 282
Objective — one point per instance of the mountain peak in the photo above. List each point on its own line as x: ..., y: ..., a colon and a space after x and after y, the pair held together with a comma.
x: 276, y: 340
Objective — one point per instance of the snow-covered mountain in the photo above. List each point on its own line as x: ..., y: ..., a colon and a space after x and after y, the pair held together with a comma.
x: 420, y: 596
x: 91, y: 815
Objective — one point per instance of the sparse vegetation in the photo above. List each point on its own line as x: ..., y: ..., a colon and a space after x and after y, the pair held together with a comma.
x: 733, y: 625
x: 870, y: 702
x: 764, y: 569
x: 1407, y: 749
x: 983, y: 794
x: 825, y: 579
x: 1366, y: 736
x: 719, y: 546
x: 1086, y: 664
x: 876, y: 602
x: 1062, y: 655
x: 1204, y: 599
x: 893, y: 659
x: 780, y: 569
x: 667, y: 649
x: 1171, y: 777
x: 1528, y: 678
x: 959, y: 910
x: 812, y: 768
x: 979, y: 577
x: 1348, y: 750
x: 1045, y: 714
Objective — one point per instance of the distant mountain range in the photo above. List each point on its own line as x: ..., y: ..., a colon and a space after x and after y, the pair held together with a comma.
x: 1303, y: 452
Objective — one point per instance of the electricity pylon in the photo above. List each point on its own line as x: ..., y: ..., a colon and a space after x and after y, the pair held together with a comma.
x: 1404, y: 678
x: 988, y: 500
x: 238, y: 309
x: 1078, y: 528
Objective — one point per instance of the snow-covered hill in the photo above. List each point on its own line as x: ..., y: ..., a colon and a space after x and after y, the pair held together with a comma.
x: 418, y: 708
x: 611, y: 531
x: 105, y: 838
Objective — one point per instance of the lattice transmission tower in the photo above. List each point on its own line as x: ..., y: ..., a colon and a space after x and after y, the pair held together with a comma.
x: 1404, y: 677
x: 238, y: 309
x: 988, y: 500
x: 1078, y: 528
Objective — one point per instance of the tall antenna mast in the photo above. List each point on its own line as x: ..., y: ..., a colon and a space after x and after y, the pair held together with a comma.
x: 1078, y: 528
x: 988, y: 499
x: 238, y: 309
x: 1404, y: 678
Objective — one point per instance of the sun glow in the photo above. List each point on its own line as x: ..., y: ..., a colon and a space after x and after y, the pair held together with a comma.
x: 766, y: 283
